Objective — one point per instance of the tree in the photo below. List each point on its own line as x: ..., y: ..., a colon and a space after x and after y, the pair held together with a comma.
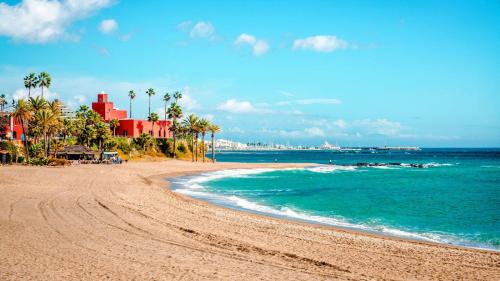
x: 114, y: 124
x: 214, y: 129
x: 174, y: 112
x: 177, y: 96
x: 150, y: 92
x: 191, y: 123
x: 131, y: 95
x: 44, y: 80
x: 3, y: 102
x: 203, y: 126
x: 153, y: 117
x: 30, y: 81
x: 44, y: 118
x: 166, y: 99
x: 23, y: 113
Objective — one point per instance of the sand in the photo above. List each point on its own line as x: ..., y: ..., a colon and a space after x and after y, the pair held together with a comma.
x: 98, y: 222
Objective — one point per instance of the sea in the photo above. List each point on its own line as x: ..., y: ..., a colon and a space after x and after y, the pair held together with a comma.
x: 449, y: 196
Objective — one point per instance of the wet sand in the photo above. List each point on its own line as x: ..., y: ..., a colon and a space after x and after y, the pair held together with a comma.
x: 98, y: 222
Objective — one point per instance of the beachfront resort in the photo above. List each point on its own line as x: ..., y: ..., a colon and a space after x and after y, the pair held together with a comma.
x: 37, y: 131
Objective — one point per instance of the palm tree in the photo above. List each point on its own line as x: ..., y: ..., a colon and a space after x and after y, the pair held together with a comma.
x: 153, y: 117
x: 150, y: 92
x: 114, y: 124
x: 3, y: 102
x: 38, y: 103
x: 177, y: 96
x: 23, y: 113
x: 191, y: 123
x: 45, y: 119
x: 214, y: 129
x: 166, y: 99
x: 131, y: 95
x: 203, y: 126
x: 44, y: 80
x: 174, y: 112
x: 30, y: 81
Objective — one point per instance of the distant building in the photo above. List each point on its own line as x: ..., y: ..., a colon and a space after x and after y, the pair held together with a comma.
x: 131, y: 128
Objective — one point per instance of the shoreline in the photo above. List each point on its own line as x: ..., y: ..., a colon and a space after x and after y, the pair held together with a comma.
x: 313, y: 223
x: 120, y: 222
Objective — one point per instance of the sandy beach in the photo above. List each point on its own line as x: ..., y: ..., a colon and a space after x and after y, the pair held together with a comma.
x: 97, y: 222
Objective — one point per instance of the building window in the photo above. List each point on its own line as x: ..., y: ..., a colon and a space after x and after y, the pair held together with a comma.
x: 125, y: 133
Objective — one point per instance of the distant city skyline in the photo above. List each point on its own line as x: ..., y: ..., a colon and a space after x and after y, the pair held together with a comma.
x: 358, y: 73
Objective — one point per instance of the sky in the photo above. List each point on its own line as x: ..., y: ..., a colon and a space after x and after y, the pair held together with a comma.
x: 353, y: 73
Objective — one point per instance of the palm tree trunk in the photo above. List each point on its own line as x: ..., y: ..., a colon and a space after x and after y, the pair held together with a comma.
x: 192, y: 147
x: 29, y: 92
x: 42, y: 91
x: 203, y: 146
x: 27, y: 158
x: 196, y: 144
x: 149, y: 107
x: 213, y: 152
x: 130, y: 114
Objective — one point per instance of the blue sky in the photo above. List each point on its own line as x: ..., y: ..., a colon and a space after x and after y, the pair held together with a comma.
x: 420, y: 73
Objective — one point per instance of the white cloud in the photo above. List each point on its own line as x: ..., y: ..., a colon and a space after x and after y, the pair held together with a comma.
x: 202, y: 30
x: 235, y: 106
x: 108, y: 26
x: 320, y: 43
x: 245, y: 38
x: 187, y: 101
x: 41, y: 21
x: 259, y: 47
x: 209, y: 117
x: 314, y: 132
x: 340, y: 123
x: 22, y: 93
x: 379, y: 126
x: 184, y: 26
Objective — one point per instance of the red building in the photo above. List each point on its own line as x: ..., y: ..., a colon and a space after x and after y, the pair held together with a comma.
x: 129, y: 127
x: 13, y: 130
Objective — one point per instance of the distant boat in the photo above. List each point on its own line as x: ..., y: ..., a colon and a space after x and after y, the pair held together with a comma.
x: 327, y: 146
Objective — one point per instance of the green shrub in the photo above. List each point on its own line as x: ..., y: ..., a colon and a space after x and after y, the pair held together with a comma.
x: 39, y: 161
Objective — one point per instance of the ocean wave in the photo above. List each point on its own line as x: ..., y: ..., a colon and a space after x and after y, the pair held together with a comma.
x: 329, y: 169
x: 373, y: 226
x: 433, y: 164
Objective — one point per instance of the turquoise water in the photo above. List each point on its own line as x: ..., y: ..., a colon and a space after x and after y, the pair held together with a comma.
x: 455, y: 199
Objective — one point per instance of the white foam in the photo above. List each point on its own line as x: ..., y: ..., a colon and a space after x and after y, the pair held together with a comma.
x: 385, y: 167
x: 433, y: 164
x: 286, y: 212
x: 329, y: 169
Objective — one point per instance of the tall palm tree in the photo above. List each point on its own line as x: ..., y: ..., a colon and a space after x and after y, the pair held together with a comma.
x: 191, y: 123
x: 203, y: 126
x: 45, y: 119
x: 153, y: 117
x: 23, y: 113
x: 174, y: 112
x: 30, y: 81
x: 3, y: 102
x: 131, y: 95
x: 166, y: 99
x: 114, y: 124
x: 44, y: 80
x: 177, y: 96
x: 214, y: 129
x: 150, y: 92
